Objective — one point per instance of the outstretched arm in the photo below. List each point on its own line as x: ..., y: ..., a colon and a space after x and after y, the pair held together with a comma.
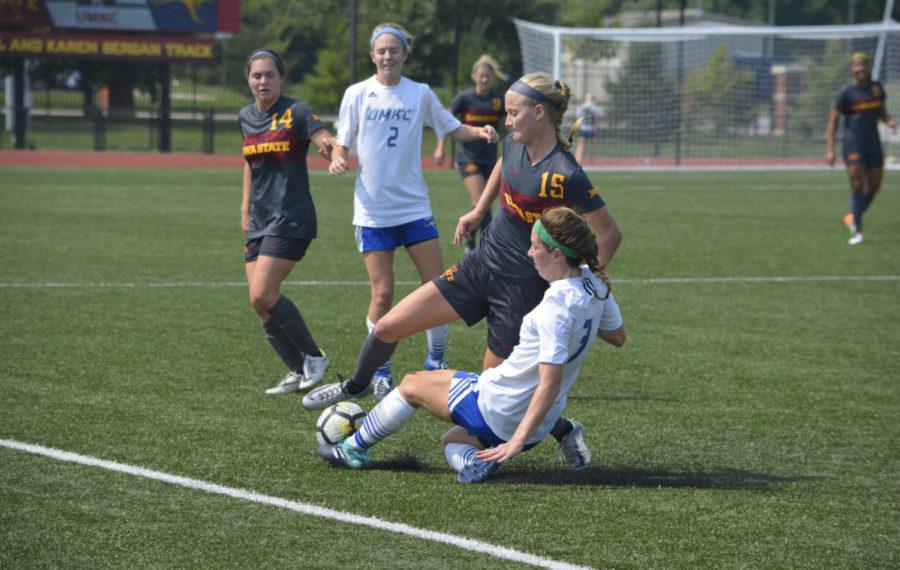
x: 833, y: 117
x: 541, y: 400
x: 471, y: 221
x: 609, y: 236
x: 245, y: 198
x: 888, y: 120
x: 468, y: 133
x: 324, y: 142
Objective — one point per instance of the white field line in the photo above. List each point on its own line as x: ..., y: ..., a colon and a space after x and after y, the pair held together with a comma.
x: 303, y: 508
x: 337, y: 283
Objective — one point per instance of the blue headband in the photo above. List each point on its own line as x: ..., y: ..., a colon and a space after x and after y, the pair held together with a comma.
x: 523, y: 88
x: 388, y: 30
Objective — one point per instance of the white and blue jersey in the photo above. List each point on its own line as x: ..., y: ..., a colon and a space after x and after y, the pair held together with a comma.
x: 386, y: 123
x: 560, y: 330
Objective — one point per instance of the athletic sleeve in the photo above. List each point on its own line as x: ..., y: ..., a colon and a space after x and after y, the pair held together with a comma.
x: 611, y: 318
x: 456, y: 104
x: 582, y: 194
x: 307, y: 121
x: 840, y: 100
x: 348, y: 118
x: 554, y: 325
x: 437, y: 116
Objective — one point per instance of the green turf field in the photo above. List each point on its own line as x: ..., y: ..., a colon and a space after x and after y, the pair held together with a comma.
x: 751, y: 421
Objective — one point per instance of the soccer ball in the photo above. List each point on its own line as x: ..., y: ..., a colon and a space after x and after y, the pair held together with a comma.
x: 338, y: 422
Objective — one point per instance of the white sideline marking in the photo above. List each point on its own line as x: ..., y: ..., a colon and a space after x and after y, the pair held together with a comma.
x: 304, y: 508
x: 635, y: 281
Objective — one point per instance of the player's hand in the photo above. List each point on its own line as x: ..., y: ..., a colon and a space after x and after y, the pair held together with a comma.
x: 439, y: 158
x: 489, y: 134
x: 500, y: 453
x: 829, y: 157
x: 892, y: 124
x: 338, y: 166
x: 245, y: 222
x: 468, y: 223
x: 327, y: 147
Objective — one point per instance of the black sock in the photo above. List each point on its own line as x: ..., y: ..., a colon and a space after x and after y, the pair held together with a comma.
x: 561, y: 428
x: 283, y: 346
x: 372, y: 355
x: 287, y: 315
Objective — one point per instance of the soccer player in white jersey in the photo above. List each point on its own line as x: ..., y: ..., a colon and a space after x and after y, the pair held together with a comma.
x: 510, y: 408
x: 384, y: 116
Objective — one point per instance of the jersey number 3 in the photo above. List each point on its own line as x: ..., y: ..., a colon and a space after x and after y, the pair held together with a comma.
x: 584, y: 340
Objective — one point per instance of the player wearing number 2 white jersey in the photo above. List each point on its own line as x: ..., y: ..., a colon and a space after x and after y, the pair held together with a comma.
x: 560, y: 330
x: 386, y: 122
x: 384, y: 116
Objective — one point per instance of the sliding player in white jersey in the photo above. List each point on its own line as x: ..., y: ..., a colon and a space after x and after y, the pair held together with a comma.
x: 384, y: 116
x: 512, y: 407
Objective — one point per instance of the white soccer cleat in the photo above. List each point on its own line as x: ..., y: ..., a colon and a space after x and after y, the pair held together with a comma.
x: 856, y: 239
x: 293, y: 382
x: 383, y: 386
x: 575, y: 450
x: 329, y: 394
x: 314, y: 369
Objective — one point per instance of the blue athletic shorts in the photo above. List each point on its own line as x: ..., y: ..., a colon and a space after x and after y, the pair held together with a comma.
x: 389, y: 239
x: 463, y: 404
x: 274, y: 246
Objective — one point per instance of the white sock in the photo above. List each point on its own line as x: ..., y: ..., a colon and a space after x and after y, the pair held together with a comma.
x: 389, y: 416
x: 460, y: 455
x: 437, y: 340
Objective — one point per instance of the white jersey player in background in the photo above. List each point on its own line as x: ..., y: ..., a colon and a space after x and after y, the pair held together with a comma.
x: 510, y: 408
x: 384, y: 115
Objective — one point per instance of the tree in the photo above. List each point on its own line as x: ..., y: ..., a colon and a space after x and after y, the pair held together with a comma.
x: 717, y: 92
x: 643, y: 96
x: 824, y: 75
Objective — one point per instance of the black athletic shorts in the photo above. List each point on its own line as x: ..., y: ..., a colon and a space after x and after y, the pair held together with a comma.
x: 275, y: 246
x: 868, y: 159
x: 475, y: 292
x: 473, y: 168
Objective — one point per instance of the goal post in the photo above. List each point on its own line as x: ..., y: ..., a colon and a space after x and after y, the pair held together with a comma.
x: 711, y: 96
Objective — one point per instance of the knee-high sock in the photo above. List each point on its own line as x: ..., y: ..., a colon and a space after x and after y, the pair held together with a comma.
x: 857, y: 201
x: 437, y: 341
x: 461, y: 455
x: 374, y: 354
x: 282, y: 345
x: 561, y: 428
x: 867, y: 200
x: 288, y: 316
x: 384, y: 369
x: 389, y: 416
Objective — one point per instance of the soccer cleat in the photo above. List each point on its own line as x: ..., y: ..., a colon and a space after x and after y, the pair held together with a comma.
x: 329, y: 394
x: 856, y: 239
x: 848, y: 221
x: 314, y: 369
x: 384, y: 383
x: 345, y: 455
x: 291, y: 383
x: 435, y: 363
x: 477, y: 472
x: 573, y: 447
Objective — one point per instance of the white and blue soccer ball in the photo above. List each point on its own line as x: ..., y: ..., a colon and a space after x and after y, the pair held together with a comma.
x: 338, y: 422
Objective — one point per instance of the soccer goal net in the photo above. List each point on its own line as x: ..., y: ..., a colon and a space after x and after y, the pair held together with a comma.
x: 727, y: 96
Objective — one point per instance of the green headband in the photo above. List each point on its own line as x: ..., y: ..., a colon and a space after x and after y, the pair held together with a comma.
x: 545, y: 236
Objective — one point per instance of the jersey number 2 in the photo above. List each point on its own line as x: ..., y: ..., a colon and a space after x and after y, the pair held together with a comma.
x: 392, y: 140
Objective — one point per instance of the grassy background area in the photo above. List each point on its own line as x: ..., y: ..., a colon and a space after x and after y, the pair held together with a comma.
x: 749, y: 421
